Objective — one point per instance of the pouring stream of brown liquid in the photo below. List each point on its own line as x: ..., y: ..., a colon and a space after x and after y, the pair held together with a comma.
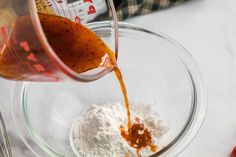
x: 82, y: 50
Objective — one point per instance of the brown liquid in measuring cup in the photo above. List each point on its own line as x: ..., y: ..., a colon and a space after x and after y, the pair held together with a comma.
x: 77, y: 46
x: 82, y: 50
x: 23, y: 55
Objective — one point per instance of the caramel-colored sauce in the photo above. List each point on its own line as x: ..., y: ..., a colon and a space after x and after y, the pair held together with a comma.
x: 77, y: 46
x: 82, y: 50
x: 138, y: 137
x: 124, y: 91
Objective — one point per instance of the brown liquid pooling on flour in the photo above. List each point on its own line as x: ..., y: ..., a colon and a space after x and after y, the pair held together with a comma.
x: 138, y: 137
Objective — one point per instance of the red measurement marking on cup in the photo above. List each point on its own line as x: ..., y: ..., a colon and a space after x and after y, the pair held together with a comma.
x: 25, y: 45
x: 77, y: 19
x: 91, y: 1
x: 91, y: 8
x: 39, y: 67
x: 3, y: 35
x: 31, y: 57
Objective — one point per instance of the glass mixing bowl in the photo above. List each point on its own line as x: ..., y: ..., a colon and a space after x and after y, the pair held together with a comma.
x: 155, y: 69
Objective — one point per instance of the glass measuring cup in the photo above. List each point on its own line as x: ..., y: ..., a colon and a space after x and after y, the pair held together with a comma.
x: 25, y: 53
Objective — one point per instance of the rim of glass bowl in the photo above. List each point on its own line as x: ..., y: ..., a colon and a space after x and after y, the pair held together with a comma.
x: 192, y: 125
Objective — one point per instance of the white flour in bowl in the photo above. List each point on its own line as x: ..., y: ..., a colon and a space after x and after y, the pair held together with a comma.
x: 96, y: 133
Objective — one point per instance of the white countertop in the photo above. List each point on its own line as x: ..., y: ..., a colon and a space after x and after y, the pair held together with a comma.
x: 207, y: 28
